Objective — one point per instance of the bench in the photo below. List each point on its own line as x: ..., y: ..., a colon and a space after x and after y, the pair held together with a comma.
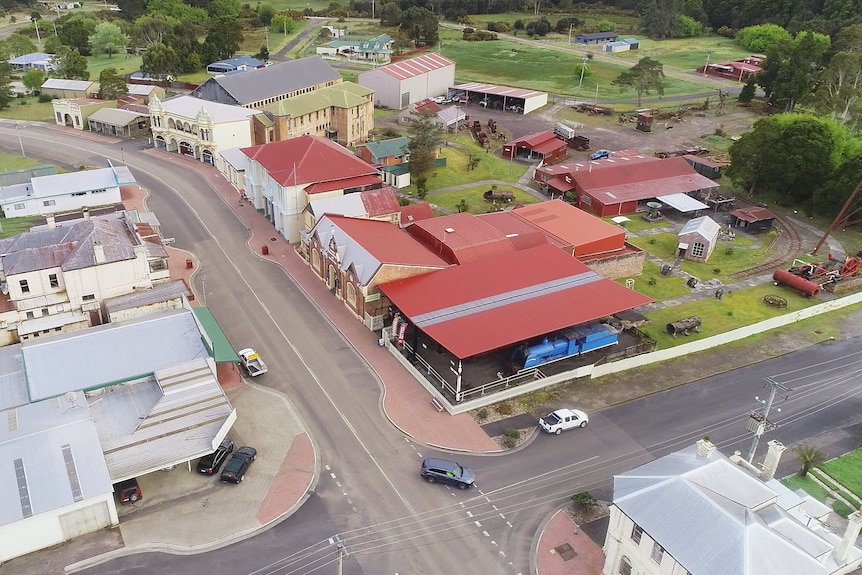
x: 437, y: 405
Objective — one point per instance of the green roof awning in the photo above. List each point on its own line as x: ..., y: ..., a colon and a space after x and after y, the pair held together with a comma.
x: 222, y: 351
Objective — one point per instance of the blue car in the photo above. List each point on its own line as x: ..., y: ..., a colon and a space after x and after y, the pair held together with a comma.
x: 600, y: 154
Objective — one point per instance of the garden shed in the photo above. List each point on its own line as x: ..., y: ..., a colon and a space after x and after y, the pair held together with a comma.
x: 752, y: 220
x: 596, y: 38
x: 633, y: 43
x: 620, y: 46
x: 698, y: 239
x: 703, y: 166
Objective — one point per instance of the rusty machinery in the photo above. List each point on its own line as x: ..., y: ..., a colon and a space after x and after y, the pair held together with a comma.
x: 810, y: 277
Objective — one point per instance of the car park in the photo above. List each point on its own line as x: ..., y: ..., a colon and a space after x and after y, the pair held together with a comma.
x: 449, y: 472
x: 128, y: 491
x: 235, y: 469
x: 210, y: 464
x: 562, y: 419
x: 600, y: 154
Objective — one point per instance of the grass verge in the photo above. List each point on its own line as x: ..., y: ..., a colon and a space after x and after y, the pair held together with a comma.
x: 846, y: 471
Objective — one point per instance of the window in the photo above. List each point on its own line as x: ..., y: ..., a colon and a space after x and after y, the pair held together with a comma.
x: 19, y: 206
x: 79, y: 194
x: 25, y: 286
x: 636, y: 534
x: 30, y: 315
x: 158, y: 265
x: 657, y: 553
x: 44, y: 311
x: 55, y: 281
x: 59, y: 117
x: 625, y: 567
x: 351, y: 294
x: 89, y: 297
x: 698, y: 250
x: 47, y: 203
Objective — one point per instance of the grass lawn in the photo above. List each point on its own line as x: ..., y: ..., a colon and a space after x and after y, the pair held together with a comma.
x: 14, y: 226
x: 652, y: 284
x: 12, y: 163
x: 687, y: 54
x: 29, y: 109
x: 638, y: 224
x: 727, y: 258
x: 476, y: 204
x: 513, y: 64
x: 736, y: 309
x: 806, y: 484
x: 846, y: 471
x: 455, y: 173
x: 123, y: 64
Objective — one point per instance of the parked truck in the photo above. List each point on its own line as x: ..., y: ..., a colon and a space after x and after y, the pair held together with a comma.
x: 567, y: 343
x: 252, y: 362
x: 568, y: 135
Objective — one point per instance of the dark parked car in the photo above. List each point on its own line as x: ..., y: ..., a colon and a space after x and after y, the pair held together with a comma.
x: 128, y: 491
x: 210, y: 464
x: 434, y: 470
x: 234, y: 470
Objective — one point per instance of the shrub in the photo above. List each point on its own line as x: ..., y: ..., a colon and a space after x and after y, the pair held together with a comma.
x: 518, y: 25
x: 716, y: 270
x: 480, y: 36
x: 513, y: 433
x: 504, y: 408
x: 651, y: 241
x: 652, y: 281
x: 509, y: 442
x: 467, y: 31
x: 45, y: 98
x: 728, y: 251
x: 726, y: 31
x: 584, y: 500
x: 688, y: 27
x: 501, y: 27
x: 482, y: 413
x: 605, y: 26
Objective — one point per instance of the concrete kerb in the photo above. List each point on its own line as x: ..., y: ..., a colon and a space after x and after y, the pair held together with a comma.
x: 537, y: 538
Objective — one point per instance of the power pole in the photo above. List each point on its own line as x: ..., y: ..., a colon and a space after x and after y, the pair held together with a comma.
x: 340, y: 554
x: 758, y: 422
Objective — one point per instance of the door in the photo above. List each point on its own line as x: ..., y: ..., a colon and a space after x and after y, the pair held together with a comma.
x: 85, y: 520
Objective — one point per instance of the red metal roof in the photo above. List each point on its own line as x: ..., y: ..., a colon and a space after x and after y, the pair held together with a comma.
x: 642, y: 180
x: 307, y: 159
x: 500, y: 301
x: 415, y: 212
x: 342, y: 184
x: 531, y: 140
x: 753, y: 214
x: 586, y: 233
x: 416, y: 66
x: 384, y: 241
x: 461, y: 238
x: 380, y: 201
x: 521, y: 233
x: 429, y: 105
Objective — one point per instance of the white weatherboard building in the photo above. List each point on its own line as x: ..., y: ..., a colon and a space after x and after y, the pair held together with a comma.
x: 59, y: 193
x: 698, y: 512
x: 73, y: 425
x: 400, y: 84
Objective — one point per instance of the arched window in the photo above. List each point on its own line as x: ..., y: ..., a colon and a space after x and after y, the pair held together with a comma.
x: 351, y: 294
x: 315, y: 261
x: 625, y: 566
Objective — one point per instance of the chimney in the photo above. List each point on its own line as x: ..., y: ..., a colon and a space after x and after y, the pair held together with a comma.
x: 704, y: 448
x: 854, y: 525
x: 773, y: 457
x: 52, y: 223
x: 86, y: 213
x: 98, y: 253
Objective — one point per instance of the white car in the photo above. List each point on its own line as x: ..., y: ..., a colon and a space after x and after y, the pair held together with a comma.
x: 563, y: 419
x: 440, y: 100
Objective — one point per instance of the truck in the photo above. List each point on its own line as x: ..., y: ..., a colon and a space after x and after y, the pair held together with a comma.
x: 567, y: 343
x: 568, y: 135
x: 564, y: 131
x: 252, y: 362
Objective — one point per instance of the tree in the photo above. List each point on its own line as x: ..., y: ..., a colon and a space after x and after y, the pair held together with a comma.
x: 644, y: 77
x: 223, y: 40
x: 266, y: 13
x: 750, y: 155
x: 132, y: 9
x: 160, y: 61
x: 76, y: 31
x: 849, y: 39
x: 18, y: 44
x: 111, y: 85
x: 658, y: 18
x: 282, y: 23
x: 426, y: 137
x: 151, y: 30
x: 809, y: 457
x: 108, y: 39
x: 177, y: 10
x: 52, y: 44
x: 759, y: 39
x: 839, y: 87
x: 33, y: 79
x: 6, y: 95
x: 746, y: 95
x: 539, y: 27
x: 420, y: 25
x: 223, y: 9
x: 263, y: 54
x: 687, y: 27
x: 70, y: 65
x: 390, y: 15
x: 790, y: 69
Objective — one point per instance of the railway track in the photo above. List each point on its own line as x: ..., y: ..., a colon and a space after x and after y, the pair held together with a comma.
x: 787, y: 248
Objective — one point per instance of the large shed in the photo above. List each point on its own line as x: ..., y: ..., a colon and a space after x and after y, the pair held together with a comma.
x: 545, y: 146
x: 596, y: 38
x: 493, y: 97
x: 400, y: 84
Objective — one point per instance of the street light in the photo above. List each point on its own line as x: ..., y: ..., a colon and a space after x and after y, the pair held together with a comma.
x: 20, y: 141
x: 583, y: 67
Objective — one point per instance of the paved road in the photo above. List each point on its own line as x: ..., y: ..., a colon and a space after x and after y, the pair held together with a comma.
x: 369, y: 492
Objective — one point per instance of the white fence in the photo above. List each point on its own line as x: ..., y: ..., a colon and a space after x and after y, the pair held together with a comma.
x: 594, y: 371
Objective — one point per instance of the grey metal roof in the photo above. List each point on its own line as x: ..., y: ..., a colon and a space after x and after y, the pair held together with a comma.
x: 115, y: 116
x: 16, y: 193
x: 171, y: 417
x: 352, y: 253
x: 236, y: 158
x: 61, y: 84
x: 24, y: 176
x: 349, y: 205
x: 715, y: 518
x: 30, y: 58
x: 52, y: 321
x: 13, y: 386
x: 704, y: 225
x: 282, y: 78
x: 111, y: 353
x: 68, y: 247
x: 140, y: 89
x: 83, y: 181
x: 160, y: 293
x: 48, y: 481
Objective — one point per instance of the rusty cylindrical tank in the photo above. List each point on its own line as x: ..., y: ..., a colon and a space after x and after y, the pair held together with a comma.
x: 784, y: 277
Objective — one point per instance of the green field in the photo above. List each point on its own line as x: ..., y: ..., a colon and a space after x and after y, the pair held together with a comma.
x: 123, y: 64
x: 13, y: 162
x: 29, y: 109
x: 687, y: 54
x: 652, y: 284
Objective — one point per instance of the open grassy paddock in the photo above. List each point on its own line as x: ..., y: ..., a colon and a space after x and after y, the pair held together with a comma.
x: 652, y: 284
x: 476, y: 204
x: 29, y: 109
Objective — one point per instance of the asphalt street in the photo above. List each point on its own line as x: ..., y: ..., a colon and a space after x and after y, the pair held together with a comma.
x: 369, y: 491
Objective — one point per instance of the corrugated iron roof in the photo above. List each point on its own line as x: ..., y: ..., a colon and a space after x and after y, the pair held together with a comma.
x: 160, y: 292
x: 641, y: 180
x: 522, y: 234
x: 704, y: 225
x: 753, y: 214
x: 461, y: 238
x: 343, y: 184
x: 572, y: 226
x: 499, y: 301
x: 416, y: 66
x: 307, y: 160
x: 415, y: 212
x: 385, y: 148
x: 63, y: 84
x: 13, y: 384
x: 381, y: 201
x: 507, y: 91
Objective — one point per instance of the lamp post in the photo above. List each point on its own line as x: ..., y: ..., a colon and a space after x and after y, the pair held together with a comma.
x: 20, y: 141
x: 583, y: 67
x: 36, y: 24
